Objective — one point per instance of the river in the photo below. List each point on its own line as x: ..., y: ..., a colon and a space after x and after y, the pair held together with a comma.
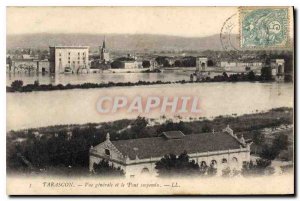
x: 99, y: 77
x: 78, y: 106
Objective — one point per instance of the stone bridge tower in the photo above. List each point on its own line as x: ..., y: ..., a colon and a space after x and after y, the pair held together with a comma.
x: 201, y: 63
x: 277, y: 69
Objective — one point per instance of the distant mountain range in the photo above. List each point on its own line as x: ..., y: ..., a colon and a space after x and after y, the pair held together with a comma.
x: 116, y: 42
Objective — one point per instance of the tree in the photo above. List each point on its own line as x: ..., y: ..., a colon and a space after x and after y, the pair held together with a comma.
x: 178, y: 63
x: 269, y: 152
x: 258, y: 138
x: 251, y: 76
x: 17, y: 85
x: 138, y: 126
x: 280, y: 142
x: 210, y: 63
x: 263, y: 163
x: 104, y: 169
x: 146, y: 64
x: 266, y: 73
x: 36, y: 83
x: 206, y: 128
x: 261, y: 167
x: 233, y: 78
x: 225, y: 75
x: 171, y: 165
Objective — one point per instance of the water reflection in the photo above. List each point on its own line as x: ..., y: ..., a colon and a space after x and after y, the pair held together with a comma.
x: 100, y: 77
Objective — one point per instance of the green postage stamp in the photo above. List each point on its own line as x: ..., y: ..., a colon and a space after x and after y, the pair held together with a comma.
x: 266, y: 27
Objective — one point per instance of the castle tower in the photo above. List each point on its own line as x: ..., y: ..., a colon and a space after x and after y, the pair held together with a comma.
x: 278, y: 69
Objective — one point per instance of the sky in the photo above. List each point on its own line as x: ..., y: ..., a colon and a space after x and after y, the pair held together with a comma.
x: 178, y: 21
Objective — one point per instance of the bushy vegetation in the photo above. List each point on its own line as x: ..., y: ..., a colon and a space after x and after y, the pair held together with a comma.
x: 68, y: 145
x: 104, y: 169
x: 270, y: 152
x: 262, y: 167
x: 172, y: 165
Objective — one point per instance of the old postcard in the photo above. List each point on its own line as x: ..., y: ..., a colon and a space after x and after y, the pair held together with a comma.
x: 150, y: 101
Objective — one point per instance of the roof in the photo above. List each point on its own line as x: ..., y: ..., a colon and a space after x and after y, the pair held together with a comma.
x: 160, y: 146
x: 29, y: 60
x: 173, y: 134
x: 69, y: 47
x: 126, y: 59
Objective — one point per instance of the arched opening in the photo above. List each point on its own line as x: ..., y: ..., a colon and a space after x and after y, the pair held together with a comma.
x: 203, y: 164
x: 224, y: 160
x: 145, y: 170
x: 213, y: 163
x: 203, y: 167
x: 107, y: 152
x: 280, y: 71
x: 203, y: 65
x: 234, y: 160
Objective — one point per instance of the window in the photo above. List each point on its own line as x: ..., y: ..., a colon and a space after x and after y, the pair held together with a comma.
x: 78, y: 62
x: 59, y: 59
x: 69, y: 53
x: 145, y: 171
x: 132, y: 176
x: 203, y: 164
x: 69, y: 58
x: 213, y: 163
x: 78, y: 53
x: 224, y: 160
x: 234, y: 159
x: 69, y: 62
x: 107, y: 152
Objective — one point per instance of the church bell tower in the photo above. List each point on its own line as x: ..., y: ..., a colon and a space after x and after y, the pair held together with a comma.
x: 104, y: 54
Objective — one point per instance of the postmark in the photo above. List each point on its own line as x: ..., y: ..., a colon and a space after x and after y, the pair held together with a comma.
x: 228, y: 38
x: 266, y: 27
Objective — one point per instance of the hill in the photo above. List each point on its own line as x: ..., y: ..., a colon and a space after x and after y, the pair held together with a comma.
x: 116, y: 42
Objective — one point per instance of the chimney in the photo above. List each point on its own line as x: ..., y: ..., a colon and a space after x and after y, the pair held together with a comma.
x: 228, y: 130
x: 69, y: 135
x: 242, y: 140
x: 107, y: 137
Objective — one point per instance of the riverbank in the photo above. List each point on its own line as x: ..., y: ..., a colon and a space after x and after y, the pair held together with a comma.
x: 42, y: 149
x: 17, y: 85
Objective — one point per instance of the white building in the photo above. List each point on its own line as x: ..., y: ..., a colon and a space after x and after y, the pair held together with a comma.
x: 69, y: 59
x: 241, y: 66
x: 29, y: 66
x: 138, y: 156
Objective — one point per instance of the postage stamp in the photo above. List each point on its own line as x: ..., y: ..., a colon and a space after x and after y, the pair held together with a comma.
x: 266, y: 27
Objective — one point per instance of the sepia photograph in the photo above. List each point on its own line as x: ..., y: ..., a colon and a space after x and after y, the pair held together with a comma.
x: 150, y: 100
